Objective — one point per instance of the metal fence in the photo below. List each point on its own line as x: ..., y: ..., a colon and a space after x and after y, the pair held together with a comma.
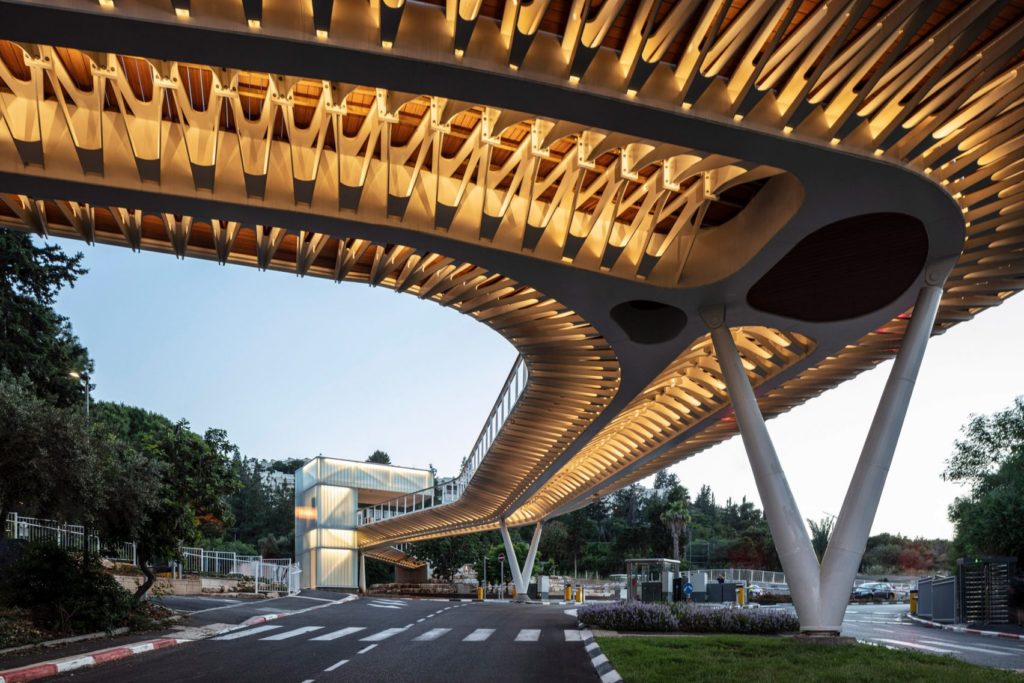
x: 268, y: 574
x: 751, y: 576
x: 450, y: 490
x: 70, y: 536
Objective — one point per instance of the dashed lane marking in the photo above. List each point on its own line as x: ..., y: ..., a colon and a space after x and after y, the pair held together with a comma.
x: 528, y: 635
x: 366, y: 649
x: 373, y: 604
x: 250, y: 632
x: 334, y: 635
x: 432, y: 634
x: 479, y: 635
x: 332, y: 667
x: 294, y: 632
x: 970, y: 648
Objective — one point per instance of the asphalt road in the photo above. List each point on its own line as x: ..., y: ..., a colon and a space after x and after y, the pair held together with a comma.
x: 390, y: 640
x: 885, y: 625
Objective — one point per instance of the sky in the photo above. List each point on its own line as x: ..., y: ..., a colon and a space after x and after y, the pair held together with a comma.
x: 294, y: 367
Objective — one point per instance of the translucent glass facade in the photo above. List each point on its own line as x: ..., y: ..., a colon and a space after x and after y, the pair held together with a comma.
x: 326, y: 499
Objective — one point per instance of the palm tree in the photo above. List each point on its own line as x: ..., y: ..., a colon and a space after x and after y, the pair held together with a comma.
x: 820, y: 533
x: 676, y: 518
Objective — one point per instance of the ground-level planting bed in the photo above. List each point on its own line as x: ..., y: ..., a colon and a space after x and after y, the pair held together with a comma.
x: 774, y: 659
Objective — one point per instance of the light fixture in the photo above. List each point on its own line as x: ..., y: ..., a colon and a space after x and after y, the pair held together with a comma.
x: 631, y: 92
x: 74, y: 374
x: 514, y: 67
x: 254, y: 24
x: 879, y: 152
x: 687, y: 106
x: 787, y: 129
x: 834, y: 141
x: 574, y: 79
x: 459, y: 52
x: 182, y: 12
x: 107, y: 4
x: 321, y: 34
x: 737, y: 117
x: 386, y: 44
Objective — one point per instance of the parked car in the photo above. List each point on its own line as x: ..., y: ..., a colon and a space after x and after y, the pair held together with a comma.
x: 755, y: 591
x: 873, y: 591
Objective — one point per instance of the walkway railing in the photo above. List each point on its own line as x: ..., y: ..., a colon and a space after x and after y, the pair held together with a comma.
x: 449, y: 490
x: 751, y: 576
x: 70, y: 536
x: 269, y: 574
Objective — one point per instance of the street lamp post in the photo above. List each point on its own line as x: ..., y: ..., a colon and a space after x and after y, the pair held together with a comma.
x: 83, y: 379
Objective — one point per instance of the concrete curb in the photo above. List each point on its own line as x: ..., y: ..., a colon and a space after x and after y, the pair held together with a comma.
x: 89, y: 659
x: 602, y: 666
x: 58, y: 666
x: 964, y: 629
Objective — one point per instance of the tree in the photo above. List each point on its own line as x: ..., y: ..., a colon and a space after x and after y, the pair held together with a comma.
x: 193, y: 477
x: 45, y: 458
x: 379, y: 456
x: 821, y: 531
x: 35, y: 342
x: 447, y: 555
x: 676, y: 518
x: 989, y: 459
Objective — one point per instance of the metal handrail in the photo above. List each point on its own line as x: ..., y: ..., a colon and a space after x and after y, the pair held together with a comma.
x: 449, y: 490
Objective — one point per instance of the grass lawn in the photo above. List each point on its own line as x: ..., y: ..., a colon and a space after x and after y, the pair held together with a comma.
x: 751, y: 659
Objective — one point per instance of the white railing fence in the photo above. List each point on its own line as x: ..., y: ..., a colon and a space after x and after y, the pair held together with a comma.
x: 70, y: 536
x: 751, y: 576
x: 268, y: 574
x: 447, y: 491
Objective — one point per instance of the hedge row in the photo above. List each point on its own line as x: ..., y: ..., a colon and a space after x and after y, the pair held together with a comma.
x: 688, y: 618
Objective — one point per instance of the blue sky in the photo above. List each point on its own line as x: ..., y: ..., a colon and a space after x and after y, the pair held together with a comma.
x: 294, y: 367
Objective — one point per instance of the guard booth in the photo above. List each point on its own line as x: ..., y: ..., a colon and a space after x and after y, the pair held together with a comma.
x: 650, y: 579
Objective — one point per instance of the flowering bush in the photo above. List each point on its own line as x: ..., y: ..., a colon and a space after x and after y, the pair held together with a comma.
x: 689, y: 618
x: 628, y: 616
x: 704, y: 619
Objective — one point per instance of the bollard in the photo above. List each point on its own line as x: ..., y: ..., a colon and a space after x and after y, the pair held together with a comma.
x: 568, y: 592
x: 480, y: 593
x: 579, y: 593
x: 913, y: 602
x: 741, y: 595
x: 513, y: 593
x: 583, y: 594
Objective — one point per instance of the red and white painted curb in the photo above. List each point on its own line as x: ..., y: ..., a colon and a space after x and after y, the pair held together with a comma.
x: 58, y: 666
x: 959, y: 629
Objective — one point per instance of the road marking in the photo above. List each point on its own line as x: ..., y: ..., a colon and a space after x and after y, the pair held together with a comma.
x: 432, y: 634
x: 250, y: 632
x: 916, y: 646
x: 294, y: 632
x: 528, y: 635
x: 400, y: 603
x: 383, y: 635
x: 420, y: 620
x: 332, y: 667
x: 373, y: 604
x: 366, y: 649
x: 967, y: 647
x: 572, y: 635
x: 334, y: 635
x: 479, y: 635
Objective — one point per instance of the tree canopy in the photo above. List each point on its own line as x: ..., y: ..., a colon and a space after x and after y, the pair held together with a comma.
x: 379, y: 456
x: 989, y: 460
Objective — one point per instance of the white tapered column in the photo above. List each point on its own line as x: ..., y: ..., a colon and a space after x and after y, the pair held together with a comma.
x: 513, y: 562
x: 531, y: 556
x: 850, y: 536
x: 784, y: 519
x: 362, y: 573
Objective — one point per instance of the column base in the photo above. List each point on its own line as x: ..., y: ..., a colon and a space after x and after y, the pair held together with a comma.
x: 825, y: 638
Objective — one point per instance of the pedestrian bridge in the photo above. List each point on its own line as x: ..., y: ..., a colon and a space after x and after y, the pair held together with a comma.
x: 685, y: 216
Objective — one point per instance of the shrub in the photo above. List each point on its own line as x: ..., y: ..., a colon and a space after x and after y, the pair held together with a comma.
x: 640, y: 616
x: 65, y: 595
x: 628, y: 616
x: 705, y: 619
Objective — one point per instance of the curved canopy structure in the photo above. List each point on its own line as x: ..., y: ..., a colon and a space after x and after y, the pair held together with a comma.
x: 600, y: 182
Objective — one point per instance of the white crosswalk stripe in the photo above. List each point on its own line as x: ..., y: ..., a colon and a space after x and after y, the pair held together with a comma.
x: 432, y: 634
x: 479, y: 635
x: 334, y: 635
x: 294, y: 632
x: 572, y: 635
x: 916, y: 646
x: 970, y: 648
x: 251, y: 632
x: 528, y: 635
x: 383, y: 635
x: 383, y: 606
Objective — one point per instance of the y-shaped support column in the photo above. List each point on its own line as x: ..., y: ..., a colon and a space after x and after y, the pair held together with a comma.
x: 521, y: 579
x: 820, y: 592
